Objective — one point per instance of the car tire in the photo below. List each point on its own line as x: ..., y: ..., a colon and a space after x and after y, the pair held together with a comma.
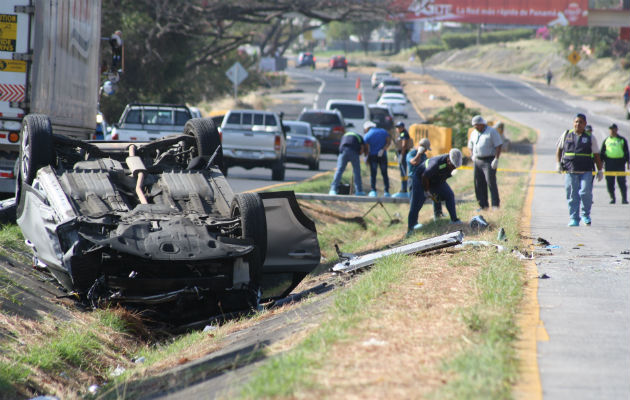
x: 36, y: 148
x: 314, y: 165
x: 278, y: 171
x: 250, y: 209
x: 207, y: 137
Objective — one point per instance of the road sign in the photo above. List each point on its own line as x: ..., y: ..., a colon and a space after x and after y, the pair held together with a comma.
x: 574, y: 57
x: 236, y: 73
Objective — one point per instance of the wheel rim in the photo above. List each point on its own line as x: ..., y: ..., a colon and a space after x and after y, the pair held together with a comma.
x: 26, y: 147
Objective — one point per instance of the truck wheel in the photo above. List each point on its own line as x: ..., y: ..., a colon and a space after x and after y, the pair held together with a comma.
x: 36, y: 149
x: 207, y: 137
x: 277, y: 171
x: 314, y: 165
x: 249, y: 207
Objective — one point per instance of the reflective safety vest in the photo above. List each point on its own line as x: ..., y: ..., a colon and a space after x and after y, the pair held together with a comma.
x: 614, y: 147
x: 577, y: 152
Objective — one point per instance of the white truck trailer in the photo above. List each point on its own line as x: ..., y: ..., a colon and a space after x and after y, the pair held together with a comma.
x: 49, y: 64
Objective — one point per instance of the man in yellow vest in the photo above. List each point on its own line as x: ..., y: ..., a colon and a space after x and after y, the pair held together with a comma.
x: 615, y: 156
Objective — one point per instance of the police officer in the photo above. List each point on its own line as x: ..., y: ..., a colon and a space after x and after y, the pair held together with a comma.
x: 406, y: 143
x: 485, y: 146
x: 575, y: 153
x: 614, y: 153
x: 429, y: 180
x: 351, y: 147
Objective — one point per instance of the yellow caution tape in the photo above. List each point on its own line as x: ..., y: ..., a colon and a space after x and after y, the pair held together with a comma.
x: 527, y: 171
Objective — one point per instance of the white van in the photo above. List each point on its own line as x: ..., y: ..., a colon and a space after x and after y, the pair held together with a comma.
x: 354, y: 112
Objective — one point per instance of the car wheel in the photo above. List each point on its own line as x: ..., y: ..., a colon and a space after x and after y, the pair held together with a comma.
x: 314, y: 165
x: 207, y: 137
x: 36, y: 149
x: 250, y: 209
x: 277, y: 171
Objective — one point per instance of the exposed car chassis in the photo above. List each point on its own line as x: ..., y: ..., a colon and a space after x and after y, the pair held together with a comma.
x: 156, y: 224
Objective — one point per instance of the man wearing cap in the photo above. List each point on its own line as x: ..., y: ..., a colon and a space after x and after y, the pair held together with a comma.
x: 377, y: 141
x: 485, y: 146
x: 406, y: 143
x: 575, y: 153
x: 614, y: 153
x: 429, y: 180
x: 351, y: 147
x: 415, y: 158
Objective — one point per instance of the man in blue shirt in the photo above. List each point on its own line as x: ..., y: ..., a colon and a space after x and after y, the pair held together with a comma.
x: 351, y: 147
x: 377, y: 140
x: 429, y: 180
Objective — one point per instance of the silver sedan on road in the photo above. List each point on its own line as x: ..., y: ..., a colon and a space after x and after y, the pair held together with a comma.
x: 302, y: 146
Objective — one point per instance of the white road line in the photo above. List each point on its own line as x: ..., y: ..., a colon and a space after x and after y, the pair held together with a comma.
x: 319, y: 90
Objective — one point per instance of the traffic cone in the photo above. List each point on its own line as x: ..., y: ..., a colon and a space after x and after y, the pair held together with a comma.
x: 358, y: 83
x: 359, y: 96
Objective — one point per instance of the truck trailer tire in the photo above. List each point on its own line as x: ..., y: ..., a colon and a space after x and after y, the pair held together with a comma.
x: 277, y: 171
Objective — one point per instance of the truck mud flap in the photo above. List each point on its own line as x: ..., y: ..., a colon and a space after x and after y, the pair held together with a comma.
x: 292, y: 245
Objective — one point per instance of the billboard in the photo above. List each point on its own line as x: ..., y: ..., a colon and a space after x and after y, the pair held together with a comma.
x: 511, y: 12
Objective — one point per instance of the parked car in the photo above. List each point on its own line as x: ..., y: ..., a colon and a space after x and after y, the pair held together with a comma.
x: 397, y: 102
x: 328, y: 127
x: 354, y: 112
x: 143, y: 122
x: 302, y: 146
x: 254, y: 138
x: 388, y: 82
x: 378, y: 76
x: 155, y: 225
x: 305, y: 60
x: 338, y: 62
x: 382, y: 115
x: 195, y: 112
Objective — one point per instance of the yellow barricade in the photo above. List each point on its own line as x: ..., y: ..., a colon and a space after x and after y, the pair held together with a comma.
x: 440, y: 137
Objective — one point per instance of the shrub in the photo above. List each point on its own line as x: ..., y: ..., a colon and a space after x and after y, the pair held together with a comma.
x: 458, y: 118
x: 425, y: 52
x: 461, y: 40
x: 396, y: 69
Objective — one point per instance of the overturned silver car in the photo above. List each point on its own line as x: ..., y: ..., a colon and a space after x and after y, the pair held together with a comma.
x: 156, y: 224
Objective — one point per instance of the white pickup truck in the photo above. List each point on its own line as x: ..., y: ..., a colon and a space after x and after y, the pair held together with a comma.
x: 253, y: 138
x: 141, y: 122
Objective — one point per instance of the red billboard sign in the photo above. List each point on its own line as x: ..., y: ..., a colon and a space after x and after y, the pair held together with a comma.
x: 517, y: 12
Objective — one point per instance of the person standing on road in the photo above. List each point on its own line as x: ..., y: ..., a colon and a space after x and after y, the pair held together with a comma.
x: 406, y: 143
x: 626, y: 95
x: 351, y: 147
x: 575, y: 153
x: 614, y: 153
x: 485, y: 146
x: 549, y: 76
x: 429, y: 180
x: 377, y: 141
x: 415, y: 158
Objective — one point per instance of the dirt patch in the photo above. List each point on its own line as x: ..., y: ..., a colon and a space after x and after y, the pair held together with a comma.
x: 398, y: 353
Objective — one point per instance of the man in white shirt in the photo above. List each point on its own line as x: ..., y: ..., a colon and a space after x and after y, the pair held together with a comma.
x: 485, y: 146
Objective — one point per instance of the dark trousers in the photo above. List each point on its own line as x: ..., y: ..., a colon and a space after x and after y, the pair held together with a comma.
x: 486, y: 177
x: 618, y: 165
x: 443, y: 190
x: 375, y: 163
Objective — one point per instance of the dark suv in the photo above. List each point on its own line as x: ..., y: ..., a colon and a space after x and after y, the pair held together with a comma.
x: 328, y: 126
x: 382, y: 116
x: 305, y: 60
x: 338, y: 62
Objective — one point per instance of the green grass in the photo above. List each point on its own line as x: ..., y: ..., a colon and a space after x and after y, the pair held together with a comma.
x: 12, y: 243
x: 282, y: 375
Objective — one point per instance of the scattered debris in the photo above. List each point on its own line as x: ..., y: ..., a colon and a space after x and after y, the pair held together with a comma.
x: 118, y: 371
x: 478, y: 222
x: 552, y: 246
x: 209, y: 328
x: 139, y: 360
x: 625, y: 252
x: 543, y: 276
x: 374, y: 342
x: 434, y: 243
x: 93, y: 389
x: 483, y: 243
x: 501, y: 236
x: 343, y: 256
x: 543, y: 242
x: 522, y: 256
x: 45, y: 398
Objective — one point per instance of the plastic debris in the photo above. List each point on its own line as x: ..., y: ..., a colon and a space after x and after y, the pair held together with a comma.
x: 543, y: 276
x: 552, y: 246
x: 45, y: 398
x: 374, y: 342
x: 478, y: 222
x: 209, y: 328
x: 481, y: 243
x: 501, y: 236
x: 543, y: 242
x: 522, y: 256
x: 118, y: 371
x: 139, y: 360
x: 93, y: 389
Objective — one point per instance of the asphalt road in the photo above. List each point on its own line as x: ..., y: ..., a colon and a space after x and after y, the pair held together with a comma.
x: 313, y: 88
x: 585, y: 305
